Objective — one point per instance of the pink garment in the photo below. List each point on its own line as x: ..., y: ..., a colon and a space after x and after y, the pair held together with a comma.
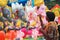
x: 24, y: 30
x: 30, y: 32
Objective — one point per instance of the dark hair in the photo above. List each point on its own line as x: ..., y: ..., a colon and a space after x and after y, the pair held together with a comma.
x: 59, y: 29
x: 50, y: 16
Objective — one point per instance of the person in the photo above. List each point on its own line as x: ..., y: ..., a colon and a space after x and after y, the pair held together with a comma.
x: 59, y: 31
x: 51, y: 27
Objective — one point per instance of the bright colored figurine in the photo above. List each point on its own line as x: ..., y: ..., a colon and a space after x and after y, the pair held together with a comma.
x: 18, y: 1
x: 24, y: 30
x: 42, y: 12
x: 55, y: 9
x: 3, y: 2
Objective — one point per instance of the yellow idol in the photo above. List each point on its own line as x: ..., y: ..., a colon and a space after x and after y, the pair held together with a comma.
x: 38, y: 2
x: 3, y: 2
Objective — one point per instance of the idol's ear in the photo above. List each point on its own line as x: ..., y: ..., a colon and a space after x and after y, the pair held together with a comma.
x: 29, y: 9
x: 50, y: 16
x: 17, y: 5
x: 21, y: 6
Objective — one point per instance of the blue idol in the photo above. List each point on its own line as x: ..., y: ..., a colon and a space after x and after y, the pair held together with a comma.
x: 18, y: 1
x: 23, y: 2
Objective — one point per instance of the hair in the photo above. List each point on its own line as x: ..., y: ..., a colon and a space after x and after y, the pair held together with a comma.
x: 50, y: 16
x: 59, y: 29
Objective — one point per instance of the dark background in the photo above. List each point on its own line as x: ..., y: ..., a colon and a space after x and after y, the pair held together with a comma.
x: 51, y: 3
